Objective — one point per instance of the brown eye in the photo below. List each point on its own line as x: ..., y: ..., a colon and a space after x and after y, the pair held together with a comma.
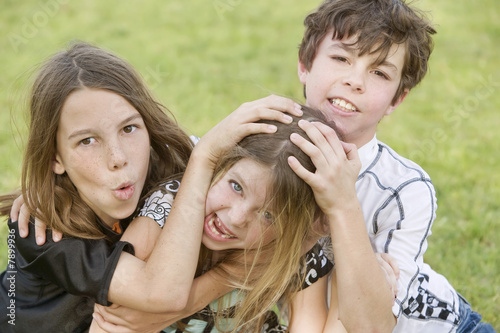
x: 86, y: 141
x: 129, y: 128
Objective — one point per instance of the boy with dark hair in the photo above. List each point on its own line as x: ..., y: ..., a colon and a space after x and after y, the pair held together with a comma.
x: 358, y: 60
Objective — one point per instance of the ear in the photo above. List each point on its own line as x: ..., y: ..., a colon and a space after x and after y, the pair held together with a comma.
x: 398, y: 101
x: 302, y: 72
x: 58, y: 166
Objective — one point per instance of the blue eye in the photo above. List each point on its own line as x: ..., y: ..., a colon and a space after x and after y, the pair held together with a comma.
x: 237, y: 187
x: 268, y: 216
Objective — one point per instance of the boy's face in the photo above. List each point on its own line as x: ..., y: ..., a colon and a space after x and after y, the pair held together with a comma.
x: 352, y: 90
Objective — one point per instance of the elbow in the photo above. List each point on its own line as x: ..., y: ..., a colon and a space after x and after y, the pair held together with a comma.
x: 166, y: 301
x: 384, y: 324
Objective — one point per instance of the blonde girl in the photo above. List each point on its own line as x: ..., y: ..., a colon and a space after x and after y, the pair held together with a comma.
x: 260, y: 213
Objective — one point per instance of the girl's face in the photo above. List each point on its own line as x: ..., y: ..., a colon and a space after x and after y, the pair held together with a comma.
x: 234, y: 210
x: 103, y: 146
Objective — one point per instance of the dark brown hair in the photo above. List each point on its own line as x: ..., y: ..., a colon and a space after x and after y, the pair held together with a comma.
x: 377, y: 25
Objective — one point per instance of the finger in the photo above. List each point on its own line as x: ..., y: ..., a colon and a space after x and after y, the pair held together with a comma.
x: 271, y: 108
x: 330, y: 148
x: 16, y: 207
x: 350, y: 150
x: 109, y: 319
x: 283, y: 104
x: 266, y: 112
x: 248, y: 129
x: 390, y: 277
x: 384, y: 261
x: 23, y: 221
x: 318, y: 156
x: 392, y: 262
x: 106, y: 326
x: 40, y: 229
x: 330, y: 136
x: 300, y: 171
x: 56, y: 235
x: 325, y: 138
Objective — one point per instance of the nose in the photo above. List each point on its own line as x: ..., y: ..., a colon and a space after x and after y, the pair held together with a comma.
x: 239, y: 216
x: 355, y: 80
x: 117, y: 157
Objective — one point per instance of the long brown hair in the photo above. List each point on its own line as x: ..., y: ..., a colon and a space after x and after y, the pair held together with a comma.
x: 275, y: 271
x: 53, y: 198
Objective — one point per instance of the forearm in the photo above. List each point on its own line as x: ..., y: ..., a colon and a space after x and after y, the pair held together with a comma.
x: 206, y: 288
x: 310, y: 308
x: 163, y: 284
x: 364, y: 298
x: 175, y: 256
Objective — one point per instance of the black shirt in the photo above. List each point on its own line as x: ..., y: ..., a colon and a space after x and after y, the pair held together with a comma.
x: 53, y: 287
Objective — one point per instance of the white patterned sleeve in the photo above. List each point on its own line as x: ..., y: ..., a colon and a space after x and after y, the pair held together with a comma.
x: 159, y: 204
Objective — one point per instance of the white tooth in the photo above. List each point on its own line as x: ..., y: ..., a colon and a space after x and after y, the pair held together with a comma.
x: 348, y: 106
x: 342, y: 103
x: 337, y: 101
x: 212, y: 227
x: 215, y: 230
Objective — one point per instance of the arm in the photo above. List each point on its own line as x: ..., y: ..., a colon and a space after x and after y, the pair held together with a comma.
x: 362, y: 305
x: 407, y: 244
x: 206, y: 288
x: 310, y: 308
x: 143, y: 233
x: 164, y: 283
x: 311, y: 313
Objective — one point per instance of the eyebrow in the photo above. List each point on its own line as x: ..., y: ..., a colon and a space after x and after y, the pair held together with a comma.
x: 343, y: 46
x: 352, y: 50
x: 88, y: 130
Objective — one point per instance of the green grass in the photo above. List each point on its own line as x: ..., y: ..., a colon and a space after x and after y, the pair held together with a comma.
x: 204, y: 58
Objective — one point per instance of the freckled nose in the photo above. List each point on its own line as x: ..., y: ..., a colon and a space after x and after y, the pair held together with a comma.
x: 117, y: 157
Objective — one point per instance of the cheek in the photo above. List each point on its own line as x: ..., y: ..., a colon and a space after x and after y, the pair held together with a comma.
x: 219, y: 195
x: 269, y: 235
x: 213, y: 200
x: 84, y: 171
x: 258, y: 234
x: 139, y: 151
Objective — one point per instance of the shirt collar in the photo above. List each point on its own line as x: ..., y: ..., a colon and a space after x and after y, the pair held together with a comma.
x: 367, y: 153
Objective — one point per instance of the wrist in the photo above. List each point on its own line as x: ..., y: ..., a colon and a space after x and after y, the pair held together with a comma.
x: 344, y: 212
x: 204, y: 157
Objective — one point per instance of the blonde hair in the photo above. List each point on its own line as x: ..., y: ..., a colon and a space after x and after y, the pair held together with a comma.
x: 275, y: 271
x: 53, y: 198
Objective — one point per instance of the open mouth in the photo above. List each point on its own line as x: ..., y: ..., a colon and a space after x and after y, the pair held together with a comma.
x: 216, y: 227
x: 125, y: 192
x: 343, y: 104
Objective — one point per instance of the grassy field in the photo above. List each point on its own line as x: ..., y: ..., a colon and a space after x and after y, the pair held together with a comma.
x: 204, y: 58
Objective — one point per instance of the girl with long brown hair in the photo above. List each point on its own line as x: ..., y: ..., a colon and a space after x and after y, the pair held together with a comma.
x: 98, y: 144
